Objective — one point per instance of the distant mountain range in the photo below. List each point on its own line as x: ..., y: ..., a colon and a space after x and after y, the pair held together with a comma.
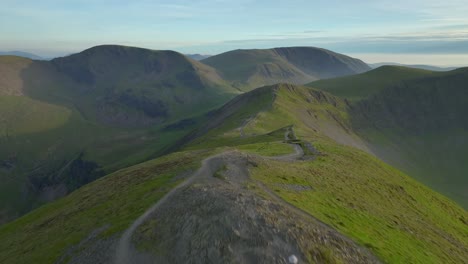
x: 22, y: 54
x: 417, y: 66
x: 198, y: 57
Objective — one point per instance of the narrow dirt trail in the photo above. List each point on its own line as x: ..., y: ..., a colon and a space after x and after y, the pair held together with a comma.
x: 124, y: 247
x: 209, y: 166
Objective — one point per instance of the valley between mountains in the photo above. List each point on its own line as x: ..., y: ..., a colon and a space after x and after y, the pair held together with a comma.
x: 127, y: 155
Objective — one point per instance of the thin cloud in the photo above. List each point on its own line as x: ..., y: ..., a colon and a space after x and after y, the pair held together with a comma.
x: 313, y: 31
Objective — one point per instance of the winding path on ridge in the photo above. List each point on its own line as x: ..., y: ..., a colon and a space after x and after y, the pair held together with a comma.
x: 210, y: 166
x: 124, y: 247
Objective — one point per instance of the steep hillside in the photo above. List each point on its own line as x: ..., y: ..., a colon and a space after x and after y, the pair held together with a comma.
x: 134, y: 86
x: 413, y: 119
x: 251, y: 201
x: 249, y: 69
x: 67, y: 122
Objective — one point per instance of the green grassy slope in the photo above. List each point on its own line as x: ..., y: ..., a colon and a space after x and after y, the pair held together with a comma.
x: 21, y: 115
x: 413, y: 119
x: 109, y: 204
x: 381, y: 208
x: 377, y: 205
x: 249, y: 69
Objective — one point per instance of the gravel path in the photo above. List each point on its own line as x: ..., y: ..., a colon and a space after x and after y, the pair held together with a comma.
x: 125, y: 248
x: 214, y: 217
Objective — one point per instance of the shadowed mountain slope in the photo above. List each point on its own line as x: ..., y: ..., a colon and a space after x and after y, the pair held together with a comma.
x: 132, y: 85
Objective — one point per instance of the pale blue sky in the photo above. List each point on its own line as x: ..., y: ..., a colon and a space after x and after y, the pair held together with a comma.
x: 371, y: 29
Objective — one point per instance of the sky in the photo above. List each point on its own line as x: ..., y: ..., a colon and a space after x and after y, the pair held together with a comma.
x: 405, y: 31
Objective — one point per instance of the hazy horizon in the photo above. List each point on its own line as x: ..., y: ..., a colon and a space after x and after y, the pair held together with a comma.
x: 440, y: 60
x: 409, y: 32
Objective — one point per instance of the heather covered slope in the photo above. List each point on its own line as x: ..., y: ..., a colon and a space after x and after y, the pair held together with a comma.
x: 249, y: 69
x: 414, y: 120
x: 380, y: 208
x: 67, y: 122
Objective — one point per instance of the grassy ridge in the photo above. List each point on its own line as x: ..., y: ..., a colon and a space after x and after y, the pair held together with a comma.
x: 380, y: 207
x: 110, y: 203
x: 360, y: 86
